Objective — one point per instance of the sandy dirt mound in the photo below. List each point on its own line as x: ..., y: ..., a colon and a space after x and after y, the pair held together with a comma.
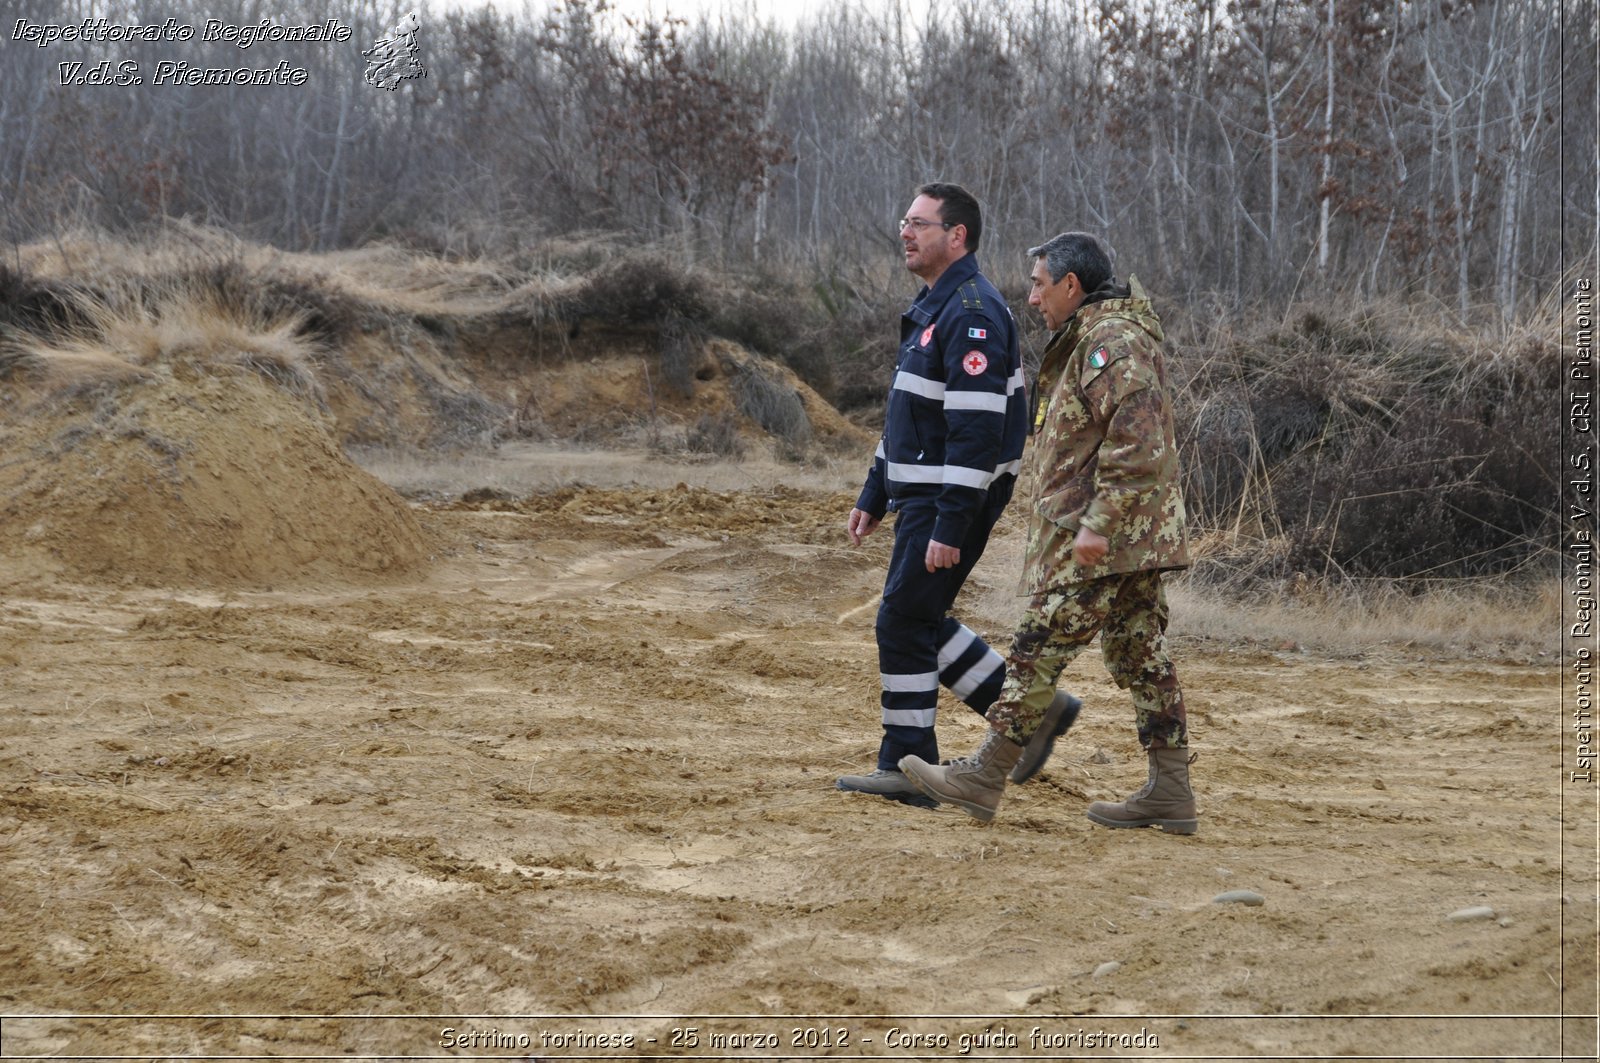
x: 584, y: 768
x: 191, y: 479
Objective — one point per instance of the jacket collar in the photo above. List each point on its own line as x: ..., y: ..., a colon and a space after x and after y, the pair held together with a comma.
x: 1122, y: 300
x: 954, y: 276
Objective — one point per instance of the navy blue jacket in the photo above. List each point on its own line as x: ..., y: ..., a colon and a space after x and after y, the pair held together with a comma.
x: 958, y: 409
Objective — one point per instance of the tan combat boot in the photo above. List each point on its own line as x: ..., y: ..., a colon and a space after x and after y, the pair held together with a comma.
x: 975, y: 783
x: 1164, y: 801
x: 1058, y: 717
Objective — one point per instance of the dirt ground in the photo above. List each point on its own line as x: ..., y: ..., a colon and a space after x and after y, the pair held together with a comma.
x: 565, y: 790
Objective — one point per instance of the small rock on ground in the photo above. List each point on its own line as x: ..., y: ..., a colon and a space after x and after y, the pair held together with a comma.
x: 1469, y: 915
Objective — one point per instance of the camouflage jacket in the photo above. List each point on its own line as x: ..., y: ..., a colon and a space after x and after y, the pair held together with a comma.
x: 1103, y: 454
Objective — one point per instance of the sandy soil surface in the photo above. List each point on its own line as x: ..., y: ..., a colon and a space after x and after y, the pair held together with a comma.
x: 566, y: 790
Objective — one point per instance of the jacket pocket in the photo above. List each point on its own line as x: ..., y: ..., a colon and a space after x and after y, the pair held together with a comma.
x: 1064, y: 508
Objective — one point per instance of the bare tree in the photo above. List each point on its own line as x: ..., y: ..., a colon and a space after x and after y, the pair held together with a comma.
x: 1220, y: 145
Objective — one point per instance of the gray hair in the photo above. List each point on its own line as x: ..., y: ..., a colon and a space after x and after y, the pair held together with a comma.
x: 1080, y: 253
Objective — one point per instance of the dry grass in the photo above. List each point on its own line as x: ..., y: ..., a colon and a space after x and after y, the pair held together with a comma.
x: 379, y: 278
x: 1489, y: 618
x: 1500, y: 617
x: 125, y: 332
x: 770, y: 403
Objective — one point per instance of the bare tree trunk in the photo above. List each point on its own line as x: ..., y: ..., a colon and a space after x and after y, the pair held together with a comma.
x: 1481, y: 132
x: 1266, y: 51
x: 1199, y: 84
x: 1272, y: 170
x: 1325, y: 193
x: 1526, y: 107
x: 1464, y: 189
x: 327, y: 224
x: 1510, y: 198
x: 1386, y: 104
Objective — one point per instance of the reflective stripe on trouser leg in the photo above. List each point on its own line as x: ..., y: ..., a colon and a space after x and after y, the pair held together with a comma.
x: 967, y: 665
x: 1055, y: 627
x: 910, y: 678
x: 910, y: 703
x: 1134, y: 645
x: 912, y: 626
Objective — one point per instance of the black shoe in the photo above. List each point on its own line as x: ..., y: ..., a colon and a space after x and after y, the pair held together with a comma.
x: 885, y: 783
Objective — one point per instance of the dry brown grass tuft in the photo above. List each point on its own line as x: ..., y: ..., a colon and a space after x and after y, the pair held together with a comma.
x: 68, y: 364
x: 126, y: 331
x: 345, y: 287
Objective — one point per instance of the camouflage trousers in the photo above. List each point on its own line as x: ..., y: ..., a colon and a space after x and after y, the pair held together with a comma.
x: 1129, y: 612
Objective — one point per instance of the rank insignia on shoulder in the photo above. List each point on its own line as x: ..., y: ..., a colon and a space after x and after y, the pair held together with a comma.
x: 977, y: 333
x: 927, y: 335
x: 974, y: 363
x: 1098, y: 359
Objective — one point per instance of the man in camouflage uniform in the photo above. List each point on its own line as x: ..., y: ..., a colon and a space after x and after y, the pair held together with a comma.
x: 1108, y: 519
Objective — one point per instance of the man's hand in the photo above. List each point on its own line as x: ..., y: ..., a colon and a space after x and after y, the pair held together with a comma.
x: 862, y: 524
x: 942, y: 556
x: 1089, y: 547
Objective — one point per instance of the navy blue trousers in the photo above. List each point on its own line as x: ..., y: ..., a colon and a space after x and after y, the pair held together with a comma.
x: 920, y: 646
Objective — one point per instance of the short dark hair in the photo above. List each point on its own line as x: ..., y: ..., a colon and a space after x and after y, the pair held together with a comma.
x: 1082, y: 253
x: 957, y: 206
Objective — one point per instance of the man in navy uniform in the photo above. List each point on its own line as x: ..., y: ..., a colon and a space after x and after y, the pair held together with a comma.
x: 947, y: 463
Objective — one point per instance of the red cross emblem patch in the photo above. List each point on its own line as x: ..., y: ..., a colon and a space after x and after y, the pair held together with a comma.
x: 927, y: 335
x: 974, y: 363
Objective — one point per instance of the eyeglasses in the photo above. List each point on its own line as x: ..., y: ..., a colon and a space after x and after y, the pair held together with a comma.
x: 919, y: 224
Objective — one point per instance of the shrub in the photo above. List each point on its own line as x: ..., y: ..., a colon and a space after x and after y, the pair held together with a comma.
x: 838, y: 337
x: 28, y: 304
x: 317, y: 305
x: 646, y: 288
x: 771, y: 403
x: 717, y: 435
x: 1370, y: 447
x: 679, y: 340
